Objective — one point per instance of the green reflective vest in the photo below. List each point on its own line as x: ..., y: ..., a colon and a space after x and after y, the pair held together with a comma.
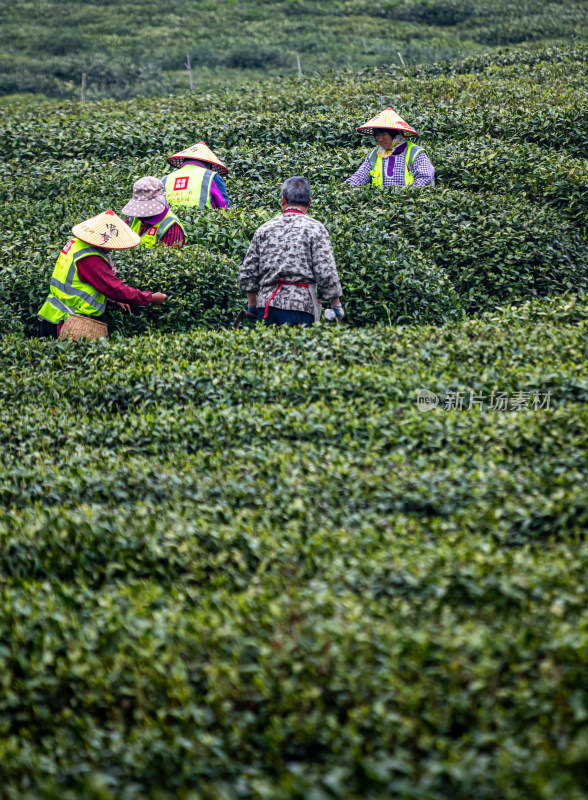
x: 189, y: 186
x: 377, y: 164
x: 153, y: 234
x: 68, y: 294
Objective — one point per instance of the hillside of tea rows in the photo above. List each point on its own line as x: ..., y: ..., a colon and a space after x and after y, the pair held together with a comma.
x: 141, y: 49
x: 247, y: 564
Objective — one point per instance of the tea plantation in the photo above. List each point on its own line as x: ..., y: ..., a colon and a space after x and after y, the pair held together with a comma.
x: 246, y: 564
x: 140, y: 49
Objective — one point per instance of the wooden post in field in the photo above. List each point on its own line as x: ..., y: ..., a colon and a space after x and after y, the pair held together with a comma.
x: 299, y: 66
x: 402, y: 60
x: 189, y: 68
x: 84, y: 85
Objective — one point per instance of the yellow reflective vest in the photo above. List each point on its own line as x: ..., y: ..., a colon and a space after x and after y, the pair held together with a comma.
x: 377, y: 164
x: 189, y: 186
x: 153, y: 234
x: 67, y: 293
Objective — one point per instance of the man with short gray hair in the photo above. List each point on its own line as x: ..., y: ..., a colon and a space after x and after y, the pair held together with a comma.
x: 288, y: 258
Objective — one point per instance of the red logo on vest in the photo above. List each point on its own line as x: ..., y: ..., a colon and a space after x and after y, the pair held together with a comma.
x: 180, y: 183
x: 152, y: 231
x: 68, y: 246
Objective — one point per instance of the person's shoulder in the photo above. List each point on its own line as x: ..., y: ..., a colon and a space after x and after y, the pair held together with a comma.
x: 270, y: 224
x: 316, y: 226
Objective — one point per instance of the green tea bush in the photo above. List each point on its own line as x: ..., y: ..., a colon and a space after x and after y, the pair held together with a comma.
x: 248, y: 564
x: 446, y: 12
x: 10, y: 320
x: 256, y: 58
x: 492, y: 250
x: 46, y: 52
x: 200, y: 283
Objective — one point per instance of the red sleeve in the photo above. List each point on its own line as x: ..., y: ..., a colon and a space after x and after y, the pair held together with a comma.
x: 95, y: 271
x: 174, y: 236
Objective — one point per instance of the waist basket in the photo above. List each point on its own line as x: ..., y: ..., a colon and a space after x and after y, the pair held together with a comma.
x: 77, y: 326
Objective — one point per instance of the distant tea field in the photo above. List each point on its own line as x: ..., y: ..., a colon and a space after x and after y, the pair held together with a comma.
x: 128, y: 50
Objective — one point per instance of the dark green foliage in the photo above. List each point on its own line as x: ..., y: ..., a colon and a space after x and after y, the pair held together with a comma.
x: 435, y: 12
x: 253, y: 58
x: 245, y: 564
x: 493, y: 250
x: 248, y: 561
x: 141, y: 49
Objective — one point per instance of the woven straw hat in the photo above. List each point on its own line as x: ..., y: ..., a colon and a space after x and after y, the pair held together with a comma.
x: 148, y: 198
x: 389, y: 120
x: 108, y: 231
x: 202, y: 153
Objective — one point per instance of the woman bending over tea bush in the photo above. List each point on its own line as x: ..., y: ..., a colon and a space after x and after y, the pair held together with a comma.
x: 84, y: 276
x: 197, y: 181
x: 151, y: 217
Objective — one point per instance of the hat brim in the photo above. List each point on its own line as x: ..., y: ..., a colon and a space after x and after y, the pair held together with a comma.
x: 110, y: 246
x: 106, y: 231
x: 370, y: 131
x: 177, y: 161
x: 144, y: 208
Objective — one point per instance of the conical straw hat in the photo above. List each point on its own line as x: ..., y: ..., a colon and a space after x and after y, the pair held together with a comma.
x: 202, y: 153
x: 390, y: 120
x: 107, y: 230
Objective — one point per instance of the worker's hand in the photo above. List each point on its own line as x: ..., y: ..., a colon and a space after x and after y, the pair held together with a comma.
x: 338, y: 309
x: 158, y: 298
x: 123, y: 306
x: 252, y: 312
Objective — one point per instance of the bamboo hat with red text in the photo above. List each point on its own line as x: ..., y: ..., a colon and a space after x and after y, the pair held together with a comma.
x: 106, y: 230
x: 387, y: 120
x: 201, y: 152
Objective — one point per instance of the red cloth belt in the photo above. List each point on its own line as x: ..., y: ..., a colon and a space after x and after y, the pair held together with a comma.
x: 277, y: 289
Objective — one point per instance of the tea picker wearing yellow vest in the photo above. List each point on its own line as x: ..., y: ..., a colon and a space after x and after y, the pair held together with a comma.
x: 196, y: 181
x: 396, y: 160
x: 150, y: 215
x: 84, y: 277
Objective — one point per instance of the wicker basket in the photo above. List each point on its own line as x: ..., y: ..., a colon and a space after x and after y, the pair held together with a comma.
x: 76, y: 326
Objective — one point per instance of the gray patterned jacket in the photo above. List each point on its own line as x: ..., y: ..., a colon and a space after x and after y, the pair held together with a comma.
x: 294, y: 248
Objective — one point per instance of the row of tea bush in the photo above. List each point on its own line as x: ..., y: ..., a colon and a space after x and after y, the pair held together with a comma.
x: 247, y: 565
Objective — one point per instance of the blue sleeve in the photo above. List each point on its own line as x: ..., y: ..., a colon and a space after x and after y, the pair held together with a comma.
x: 220, y: 185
